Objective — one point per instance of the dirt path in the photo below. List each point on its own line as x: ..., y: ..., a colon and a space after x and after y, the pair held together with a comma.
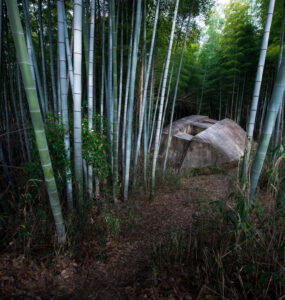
x: 120, y: 273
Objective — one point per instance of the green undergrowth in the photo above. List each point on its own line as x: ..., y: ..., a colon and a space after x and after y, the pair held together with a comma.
x: 228, y: 252
x: 27, y: 225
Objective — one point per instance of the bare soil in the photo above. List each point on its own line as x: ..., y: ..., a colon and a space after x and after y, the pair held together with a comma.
x: 115, y: 266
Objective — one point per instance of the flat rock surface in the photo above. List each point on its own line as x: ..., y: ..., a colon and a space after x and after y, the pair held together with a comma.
x: 198, y: 141
x: 181, y: 123
x: 226, y: 136
x: 183, y: 135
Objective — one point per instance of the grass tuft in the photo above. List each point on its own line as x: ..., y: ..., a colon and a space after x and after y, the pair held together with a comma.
x: 229, y: 252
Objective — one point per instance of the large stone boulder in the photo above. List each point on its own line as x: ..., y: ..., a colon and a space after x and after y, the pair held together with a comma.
x: 197, y: 141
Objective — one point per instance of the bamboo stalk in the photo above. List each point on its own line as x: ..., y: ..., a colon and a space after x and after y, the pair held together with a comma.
x: 159, y: 121
x: 22, y: 55
x: 77, y: 65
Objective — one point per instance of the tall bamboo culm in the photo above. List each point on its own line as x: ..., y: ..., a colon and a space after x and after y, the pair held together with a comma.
x: 131, y: 99
x: 161, y: 105
x: 90, y: 91
x: 257, y: 86
x: 63, y: 94
x: 175, y: 96
x: 268, y: 127
x: 142, y: 116
x: 37, y: 121
x: 77, y: 69
x: 115, y: 102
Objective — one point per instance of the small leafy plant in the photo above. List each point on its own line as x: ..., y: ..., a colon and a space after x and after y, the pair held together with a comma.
x: 95, y: 148
x: 55, y: 139
x: 113, y: 224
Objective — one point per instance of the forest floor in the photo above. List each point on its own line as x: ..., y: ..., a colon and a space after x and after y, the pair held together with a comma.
x: 119, y: 264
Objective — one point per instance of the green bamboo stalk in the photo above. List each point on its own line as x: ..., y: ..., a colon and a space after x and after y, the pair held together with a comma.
x: 159, y: 121
x: 169, y: 83
x: 90, y: 91
x: 32, y: 56
x: 257, y: 86
x: 43, y: 57
x: 77, y: 67
x: 23, y: 116
x: 142, y: 116
x: 202, y: 94
x: 59, y: 106
x: 68, y: 54
x: 233, y: 93
x: 115, y: 102
x: 64, y: 98
x: 37, y: 121
x: 127, y: 91
x: 131, y: 99
x: 264, y: 105
x: 102, y: 69
x: 150, y: 106
x: 52, y: 73
x: 175, y: 96
x: 110, y: 104
x: 277, y: 137
x: 269, y: 123
x: 85, y: 33
x: 241, y: 100
x: 145, y: 110
x: 121, y: 78
x: 153, y: 123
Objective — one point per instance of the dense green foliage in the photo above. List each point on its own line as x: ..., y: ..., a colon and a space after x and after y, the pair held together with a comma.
x: 95, y: 148
x: 222, y: 67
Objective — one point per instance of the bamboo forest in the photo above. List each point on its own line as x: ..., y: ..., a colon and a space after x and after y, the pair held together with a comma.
x: 142, y: 149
